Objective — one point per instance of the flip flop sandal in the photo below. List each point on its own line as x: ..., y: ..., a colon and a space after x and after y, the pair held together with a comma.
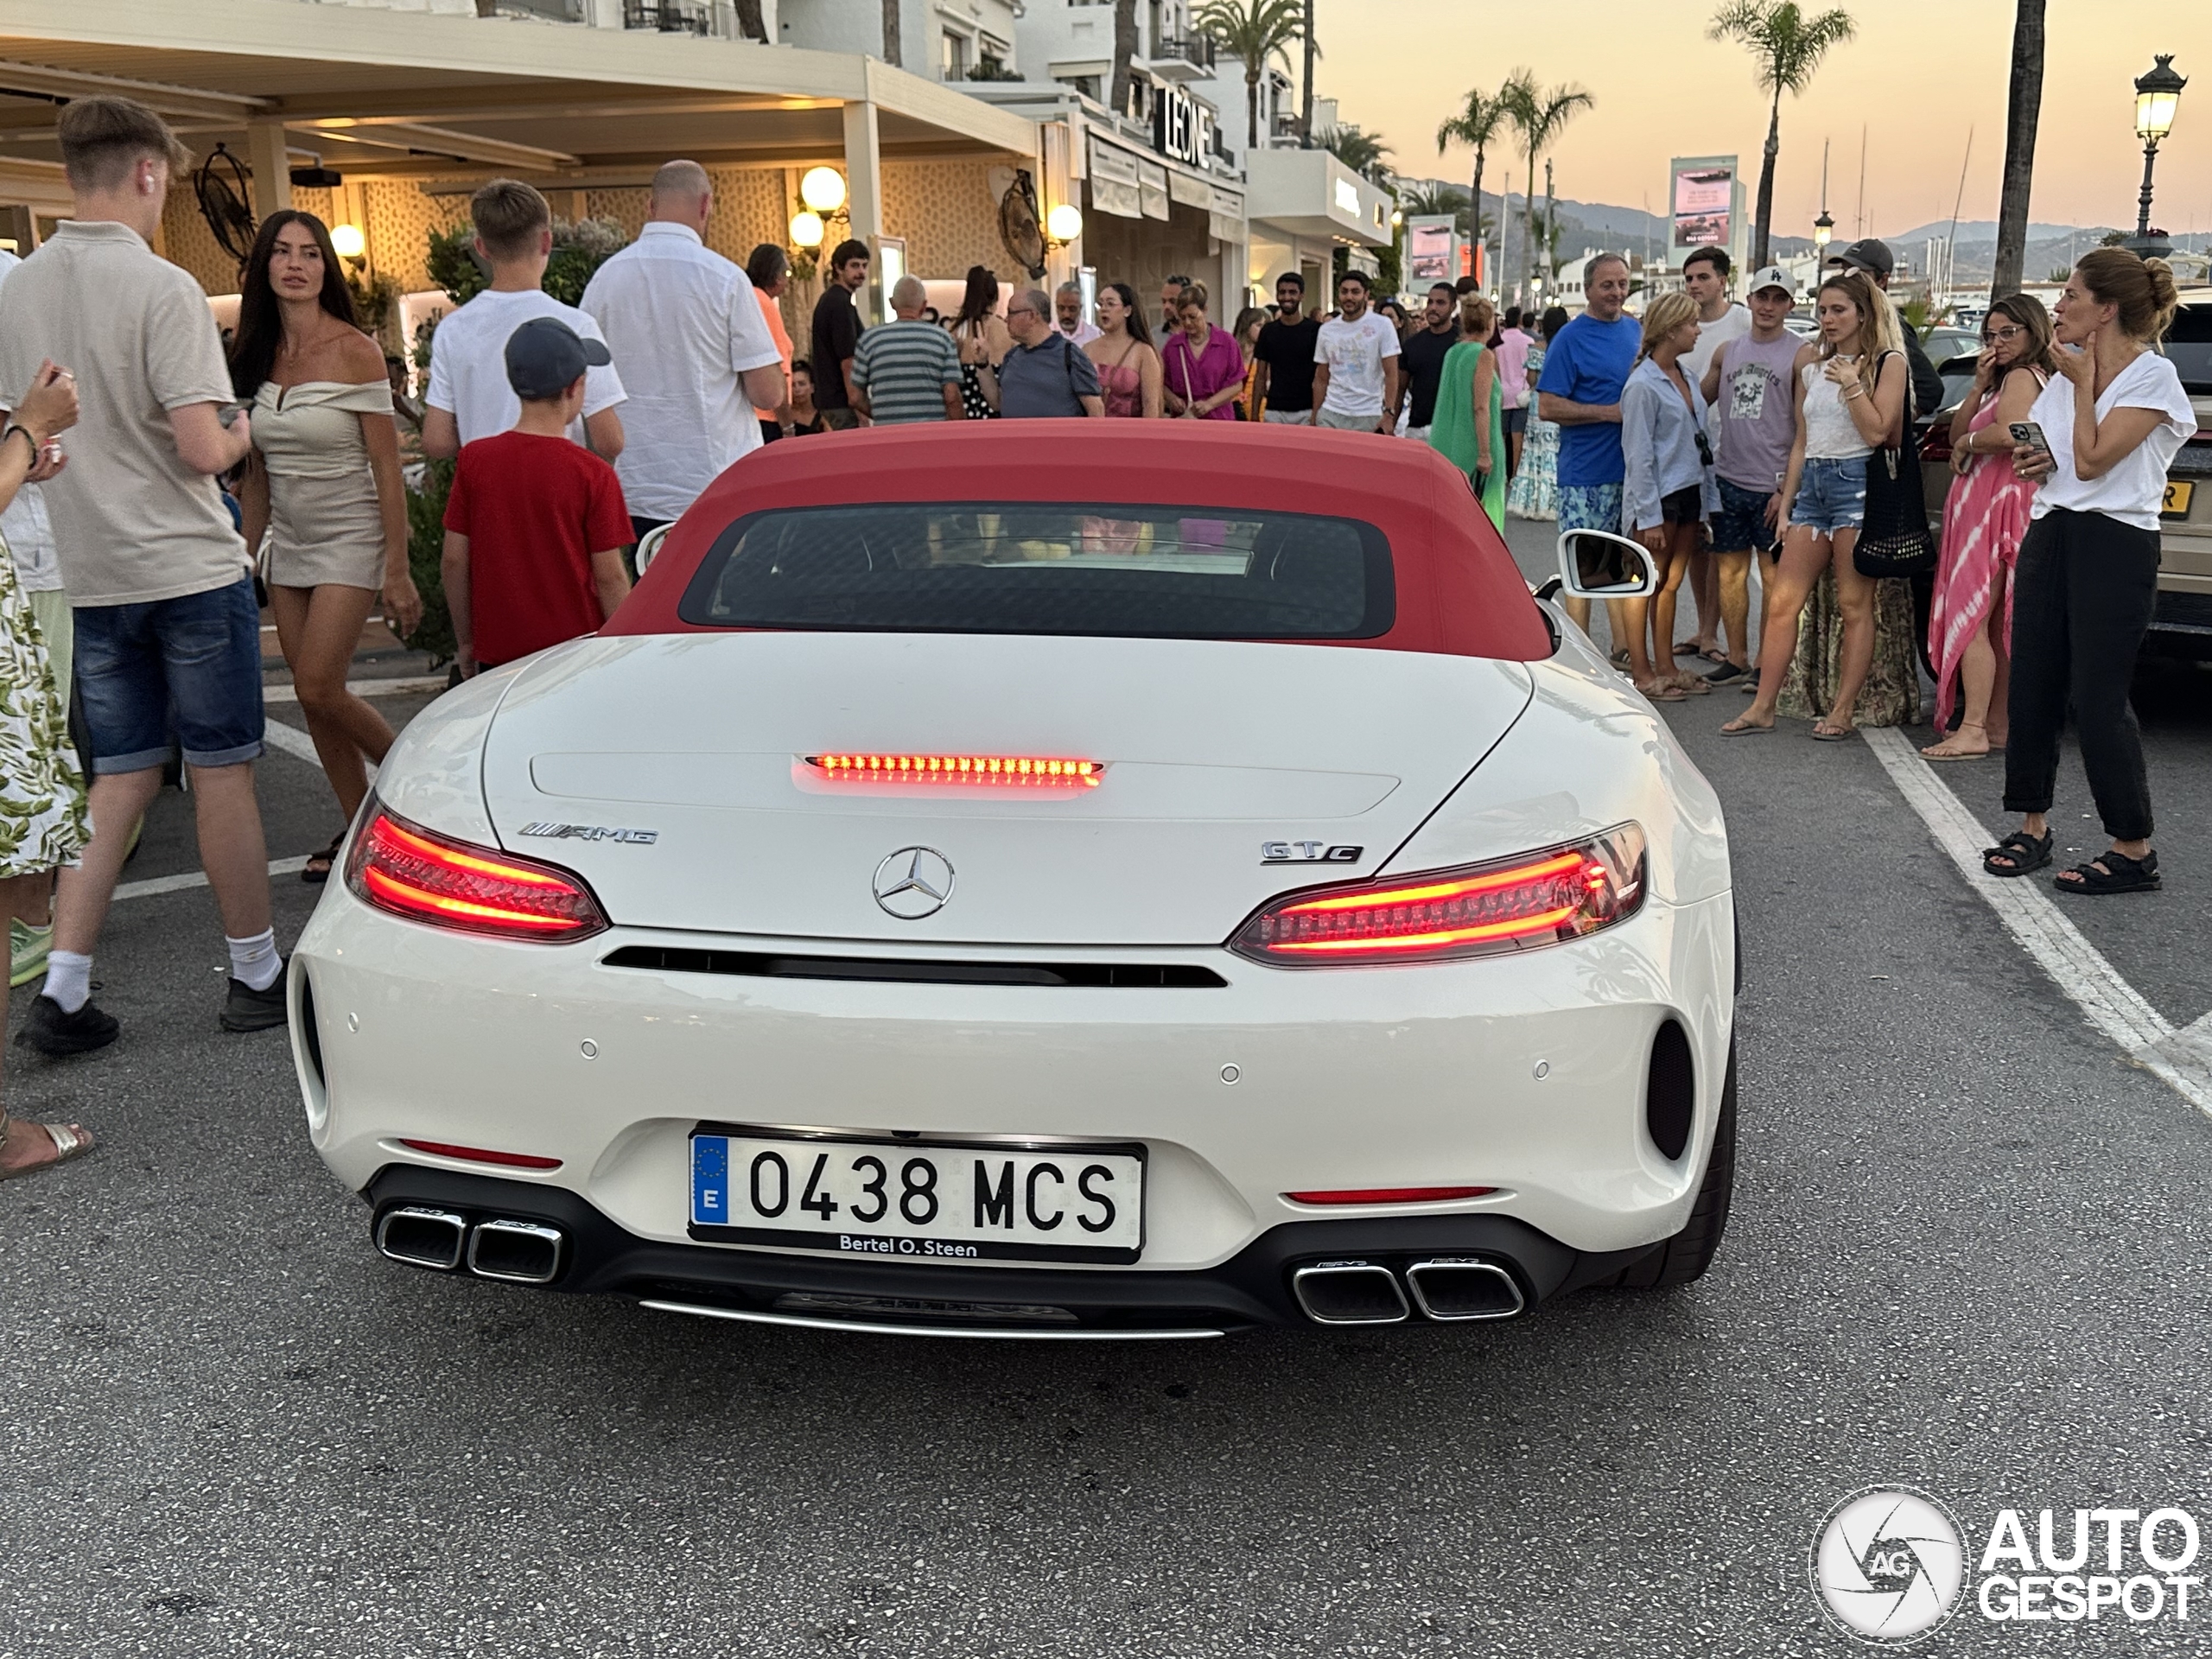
x: 1691, y: 685
x: 1663, y: 694
x: 2028, y: 853
x: 328, y: 858
x: 68, y: 1144
x: 2120, y: 874
x: 1734, y: 728
x: 1821, y: 735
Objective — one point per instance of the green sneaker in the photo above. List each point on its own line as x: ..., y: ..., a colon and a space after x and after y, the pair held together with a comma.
x: 27, y: 948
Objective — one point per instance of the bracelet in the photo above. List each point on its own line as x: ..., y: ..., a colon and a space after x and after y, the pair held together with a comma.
x: 29, y: 437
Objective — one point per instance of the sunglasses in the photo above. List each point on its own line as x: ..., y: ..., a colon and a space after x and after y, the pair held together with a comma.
x: 1704, y: 449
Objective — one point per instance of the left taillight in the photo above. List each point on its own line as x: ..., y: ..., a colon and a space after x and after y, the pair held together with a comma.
x: 410, y: 871
x: 1512, y: 904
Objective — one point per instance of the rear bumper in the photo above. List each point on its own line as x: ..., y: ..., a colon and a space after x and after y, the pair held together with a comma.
x: 1252, y: 1288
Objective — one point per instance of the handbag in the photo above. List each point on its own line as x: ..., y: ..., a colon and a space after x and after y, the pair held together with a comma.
x: 1894, y: 537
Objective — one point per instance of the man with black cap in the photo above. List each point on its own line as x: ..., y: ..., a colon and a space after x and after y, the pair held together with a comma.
x: 536, y: 524
x: 1872, y: 255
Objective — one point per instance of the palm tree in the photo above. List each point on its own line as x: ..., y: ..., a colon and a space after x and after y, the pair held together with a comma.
x: 1125, y: 50
x: 891, y: 33
x: 1477, y: 125
x: 1539, y: 114
x: 1362, y: 152
x: 1254, y: 32
x: 2021, y: 112
x: 1788, y: 45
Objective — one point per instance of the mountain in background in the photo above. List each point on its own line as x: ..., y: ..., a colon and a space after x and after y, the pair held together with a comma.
x: 1586, y: 227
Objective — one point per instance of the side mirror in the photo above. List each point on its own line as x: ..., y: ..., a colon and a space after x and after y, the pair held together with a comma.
x: 649, y: 546
x: 1598, y: 564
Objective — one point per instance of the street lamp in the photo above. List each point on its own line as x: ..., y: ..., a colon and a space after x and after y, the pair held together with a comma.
x: 1823, y: 233
x: 2156, y: 94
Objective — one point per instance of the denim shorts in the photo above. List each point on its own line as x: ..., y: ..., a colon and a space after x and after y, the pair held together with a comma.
x: 189, y: 666
x: 1832, y: 495
x: 1741, y: 522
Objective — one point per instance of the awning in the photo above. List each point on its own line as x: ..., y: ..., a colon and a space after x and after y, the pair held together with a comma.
x: 1114, y: 187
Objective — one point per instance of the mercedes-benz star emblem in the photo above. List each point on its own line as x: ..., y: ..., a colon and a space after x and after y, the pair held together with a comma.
x: 914, y: 882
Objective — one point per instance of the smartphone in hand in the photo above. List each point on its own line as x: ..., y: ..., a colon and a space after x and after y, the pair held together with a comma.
x: 2029, y: 433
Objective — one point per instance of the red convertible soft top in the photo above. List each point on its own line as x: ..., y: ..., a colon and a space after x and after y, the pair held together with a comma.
x: 1459, y: 591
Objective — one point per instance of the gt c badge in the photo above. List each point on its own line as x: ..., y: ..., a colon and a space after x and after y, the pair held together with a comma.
x: 590, y: 832
x: 1307, y: 852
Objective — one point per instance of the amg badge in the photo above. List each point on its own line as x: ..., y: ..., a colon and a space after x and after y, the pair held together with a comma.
x: 590, y: 832
x: 1307, y: 852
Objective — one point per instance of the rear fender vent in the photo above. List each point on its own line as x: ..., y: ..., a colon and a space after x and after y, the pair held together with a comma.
x: 761, y: 964
x: 1670, y: 1091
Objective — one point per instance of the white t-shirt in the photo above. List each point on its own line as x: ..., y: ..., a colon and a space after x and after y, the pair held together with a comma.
x: 1354, y: 352
x: 1733, y: 324
x: 684, y: 323
x: 468, y: 362
x: 2131, y: 490
x: 23, y: 523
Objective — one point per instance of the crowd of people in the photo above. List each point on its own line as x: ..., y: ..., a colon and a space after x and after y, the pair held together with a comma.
x: 1704, y: 430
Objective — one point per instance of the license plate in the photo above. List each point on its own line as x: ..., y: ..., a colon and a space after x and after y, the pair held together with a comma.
x: 918, y: 1200
x: 2179, y: 496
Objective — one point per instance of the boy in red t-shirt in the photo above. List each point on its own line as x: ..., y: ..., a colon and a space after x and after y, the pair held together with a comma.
x: 535, y: 526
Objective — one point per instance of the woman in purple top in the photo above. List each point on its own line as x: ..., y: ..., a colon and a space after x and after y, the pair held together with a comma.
x: 1204, y: 371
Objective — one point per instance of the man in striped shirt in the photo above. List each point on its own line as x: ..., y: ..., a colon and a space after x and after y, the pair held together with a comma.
x: 908, y: 370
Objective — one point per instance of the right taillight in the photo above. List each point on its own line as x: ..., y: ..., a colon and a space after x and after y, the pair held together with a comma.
x: 1511, y: 904
x: 410, y: 871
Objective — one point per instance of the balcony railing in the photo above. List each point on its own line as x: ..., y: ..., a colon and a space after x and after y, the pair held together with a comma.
x: 1196, y: 49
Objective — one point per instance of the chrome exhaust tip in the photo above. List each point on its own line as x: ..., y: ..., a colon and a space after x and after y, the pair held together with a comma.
x: 1349, y: 1292
x: 1452, y: 1288
x: 520, y: 1252
x: 421, y: 1236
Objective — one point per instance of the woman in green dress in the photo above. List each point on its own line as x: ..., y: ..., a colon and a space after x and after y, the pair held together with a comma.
x: 1469, y: 428
x: 42, y: 822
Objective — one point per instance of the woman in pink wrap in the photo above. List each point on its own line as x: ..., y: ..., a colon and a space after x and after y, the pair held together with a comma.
x: 1201, y: 368
x: 1970, y: 625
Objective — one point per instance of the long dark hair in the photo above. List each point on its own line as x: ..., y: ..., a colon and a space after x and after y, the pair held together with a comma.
x: 981, y: 297
x: 1134, y: 321
x: 261, y: 323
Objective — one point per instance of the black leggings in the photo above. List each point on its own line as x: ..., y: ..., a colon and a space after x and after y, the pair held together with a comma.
x: 2082, y: 603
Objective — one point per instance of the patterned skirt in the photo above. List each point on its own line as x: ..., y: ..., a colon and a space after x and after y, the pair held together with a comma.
x: 43, y: 824
x: 973, y: 403
x: 1891, y: 694
x: 1535, y: 492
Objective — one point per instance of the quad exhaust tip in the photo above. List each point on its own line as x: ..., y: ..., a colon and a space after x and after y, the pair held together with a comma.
x: 1349, y: 1292
x: 518, y: 1252
x: 1453, y: 1288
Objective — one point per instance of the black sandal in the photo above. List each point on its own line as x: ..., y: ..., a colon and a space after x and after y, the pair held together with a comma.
x: 2120, y: 874
x: 328, y: 858
x: 2027, y: 854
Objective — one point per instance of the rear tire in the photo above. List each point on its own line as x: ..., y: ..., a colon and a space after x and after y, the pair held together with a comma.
x: 1690, y: 1252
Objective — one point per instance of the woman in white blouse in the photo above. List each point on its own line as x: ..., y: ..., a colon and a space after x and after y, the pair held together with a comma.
x: 322, y: 485
x: 2112, y: 418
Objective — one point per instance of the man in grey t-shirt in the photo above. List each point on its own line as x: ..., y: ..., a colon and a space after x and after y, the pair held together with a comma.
x: 1045, y: 373
x: 168, y: 636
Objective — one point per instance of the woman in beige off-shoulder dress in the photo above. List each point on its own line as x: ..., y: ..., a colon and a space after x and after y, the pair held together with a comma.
x: 323, y: 500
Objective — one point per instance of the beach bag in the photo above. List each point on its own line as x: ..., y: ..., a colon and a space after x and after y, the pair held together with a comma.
x: 1894, y: 539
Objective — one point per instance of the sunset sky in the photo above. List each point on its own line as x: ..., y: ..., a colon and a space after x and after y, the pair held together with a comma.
x: 1920, y: 73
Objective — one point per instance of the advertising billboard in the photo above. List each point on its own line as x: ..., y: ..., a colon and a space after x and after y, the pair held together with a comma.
x: 1704, y: 205
x: 1431, y: 255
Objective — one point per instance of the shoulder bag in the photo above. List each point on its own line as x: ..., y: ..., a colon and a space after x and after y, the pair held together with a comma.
x: 1894, y: 539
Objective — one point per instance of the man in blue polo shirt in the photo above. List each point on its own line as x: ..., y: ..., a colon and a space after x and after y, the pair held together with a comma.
x: 1581, y: 392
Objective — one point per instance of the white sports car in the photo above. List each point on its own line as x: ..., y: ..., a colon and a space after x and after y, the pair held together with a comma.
x: 1043, y: 881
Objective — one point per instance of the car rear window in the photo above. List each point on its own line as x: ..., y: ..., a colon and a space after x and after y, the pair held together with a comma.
x: 1146, y: 572
x: 2190, y: 345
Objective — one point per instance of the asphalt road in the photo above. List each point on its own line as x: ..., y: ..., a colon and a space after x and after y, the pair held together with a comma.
x: 1968, y: 1253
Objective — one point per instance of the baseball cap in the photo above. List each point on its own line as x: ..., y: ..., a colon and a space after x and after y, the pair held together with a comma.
x: 1770, y: 277
x: 1868, y: 253
x: 544, y: 357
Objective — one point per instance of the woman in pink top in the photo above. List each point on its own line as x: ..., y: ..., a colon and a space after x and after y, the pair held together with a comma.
x: 1984, y: 521
x: 1128, y: 369
x: 1204, y: 370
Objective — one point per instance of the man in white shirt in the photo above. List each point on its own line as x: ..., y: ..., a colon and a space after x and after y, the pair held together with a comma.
x: 1355, y: 363
x: 695, y: 350
x: 1719, y: 320
x: 469, y: 396
x: 1067, y: 315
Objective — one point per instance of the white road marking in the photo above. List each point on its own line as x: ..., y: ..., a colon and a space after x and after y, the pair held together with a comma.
x: 197, y: 879
x: 409, y: 688
x: 290, y: 739
x: 2182, y: 1058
